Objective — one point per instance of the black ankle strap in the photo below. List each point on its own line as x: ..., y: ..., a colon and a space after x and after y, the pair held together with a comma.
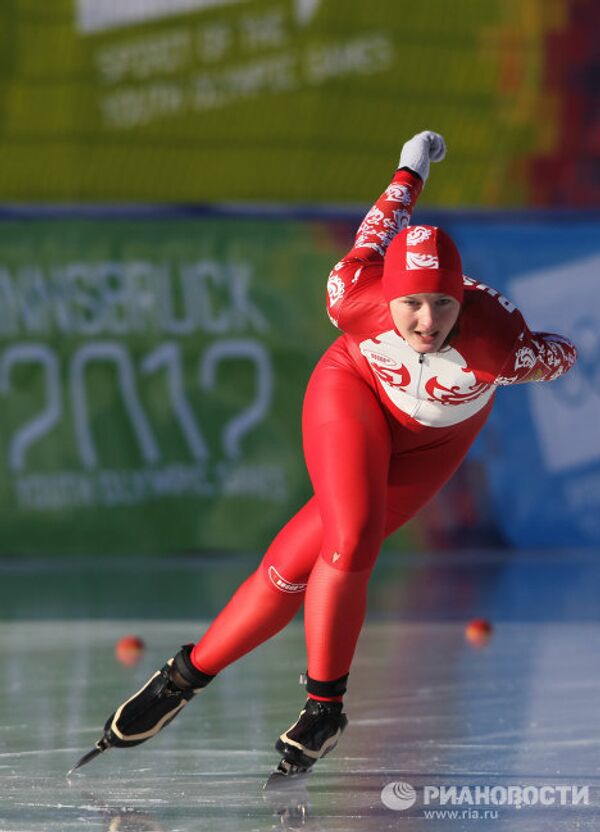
x: 193, y: 677
x: 336, y: 687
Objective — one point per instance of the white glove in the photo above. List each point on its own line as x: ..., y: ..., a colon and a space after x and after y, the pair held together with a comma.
x: 422, y: 149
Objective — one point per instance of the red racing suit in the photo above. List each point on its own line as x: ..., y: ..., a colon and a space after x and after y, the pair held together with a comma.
x: 384, y: 427
x: 493, y: 345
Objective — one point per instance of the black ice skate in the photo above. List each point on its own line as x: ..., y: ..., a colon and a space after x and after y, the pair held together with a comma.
x: 147, y: 712
x: 314, y: 735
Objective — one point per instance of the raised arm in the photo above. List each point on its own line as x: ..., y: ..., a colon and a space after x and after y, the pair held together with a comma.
x: 355, y: 272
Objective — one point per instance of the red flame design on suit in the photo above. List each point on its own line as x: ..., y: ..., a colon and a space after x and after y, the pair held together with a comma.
x: 453, y: 395
x: 396, y: 377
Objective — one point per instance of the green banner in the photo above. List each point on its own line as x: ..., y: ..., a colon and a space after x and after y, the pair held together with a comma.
x: 152, y: 374
x: 287, y: 100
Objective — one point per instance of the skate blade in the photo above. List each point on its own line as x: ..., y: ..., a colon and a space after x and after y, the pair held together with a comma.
x: 285, y: 774
x: 101, y: 746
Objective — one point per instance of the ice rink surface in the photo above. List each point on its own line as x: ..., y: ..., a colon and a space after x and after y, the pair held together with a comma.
x: 425, y: 708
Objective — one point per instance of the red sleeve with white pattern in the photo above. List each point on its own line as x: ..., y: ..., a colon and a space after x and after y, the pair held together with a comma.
x: 538, y: 356
x: 390, y: 214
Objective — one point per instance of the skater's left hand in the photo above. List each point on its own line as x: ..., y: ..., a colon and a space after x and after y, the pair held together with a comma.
x: 422, y: 149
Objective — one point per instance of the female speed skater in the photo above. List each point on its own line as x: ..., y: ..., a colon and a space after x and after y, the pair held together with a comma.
x: 390, y: 411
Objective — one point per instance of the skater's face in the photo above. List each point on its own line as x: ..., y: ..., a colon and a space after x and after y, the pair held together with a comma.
x: 425, y: 320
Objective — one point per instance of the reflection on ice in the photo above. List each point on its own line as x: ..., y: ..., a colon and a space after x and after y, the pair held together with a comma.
x: 424, y: 708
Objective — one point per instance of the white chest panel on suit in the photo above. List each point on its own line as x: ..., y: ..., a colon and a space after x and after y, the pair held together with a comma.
x: 435, y: 389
